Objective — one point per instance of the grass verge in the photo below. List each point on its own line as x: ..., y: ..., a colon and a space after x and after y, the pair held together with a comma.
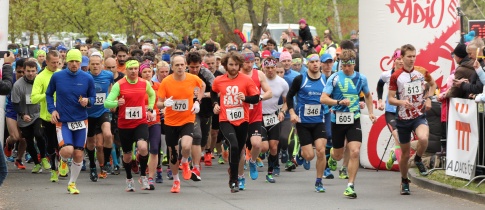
x: 455, y: 182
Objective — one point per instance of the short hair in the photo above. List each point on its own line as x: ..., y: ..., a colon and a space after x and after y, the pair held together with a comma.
x: 20, y: 62
x: 52, y: 53
x: 271, y: 41
x: 136, y: 52
x: 328, y: 36
x: 30, y: 64
x: 134, y: 58
x: 347, y: 55
x: 235, y: 56
x: 120, y: 48
x: 279, y: 65
x: 193, y: 57
x: 405, y: 48
x: 92, y: 56
x: 162, y: 64
x: 347, y: 45
x: 476, y: 43
x: 177, y: 55
x: 209, y: 55
x: 296, y: 55
x: 288, y: 46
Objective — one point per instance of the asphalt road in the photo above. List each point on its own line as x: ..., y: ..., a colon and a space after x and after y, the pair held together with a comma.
x: 292, y: 190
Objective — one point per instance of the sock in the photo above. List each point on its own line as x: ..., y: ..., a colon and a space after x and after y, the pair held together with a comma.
x: 197, y: 167
x: 143, y: 165
x: 251, y: 160
x: 350, y: 184
x: 64, y: 159
x: 75, y: 169
x: 319, y: 180
x: 113, y: 154
x: 92, y: 163
x: 176, y: 177
x: 107, y: 153
x: 52, y: 159
x: 417, y: 158
x: 240, y: 176
x: 208, y: 151
x: 404, y: 180
x: 127, y: 170
x: 272, y: 159
x: 184, y: 160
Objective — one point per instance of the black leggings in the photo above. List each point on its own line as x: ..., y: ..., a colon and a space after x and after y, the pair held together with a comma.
x: 31, y: 131
x: 52, y: 143
x: 236, y: 138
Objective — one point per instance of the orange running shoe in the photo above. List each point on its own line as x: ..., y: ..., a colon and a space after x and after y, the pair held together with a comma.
x: 208, y: 159
x: 19, y: 164
x: 175, y: 187
x: 7, y: 150
x: 225, y: 156
x: 186, y: 171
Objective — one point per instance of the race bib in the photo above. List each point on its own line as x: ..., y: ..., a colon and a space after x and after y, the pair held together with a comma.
x: 413, y: 88
x: 133, y: 113
x: 312, y: 110
x: 73, y: 126
x: 27, y: 99
x: 180, y: 105
x: 235, y: 113
x: 344, y: 118
x: 100, y: 97
x: 269, y: 120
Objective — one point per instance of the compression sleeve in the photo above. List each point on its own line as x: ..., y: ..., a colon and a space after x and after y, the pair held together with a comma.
x: 252, y: 99
x: 49, y: 95
x: 380, y: 88
x: 295, y: 87
x: 111, y: 101
x: 151, y: 95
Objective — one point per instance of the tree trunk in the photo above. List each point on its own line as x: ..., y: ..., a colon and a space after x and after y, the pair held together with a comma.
x: 46, y: 37
x: 257, y: 29
x: 337, y: 20
x: 226, y: 29
x: 31, y: 38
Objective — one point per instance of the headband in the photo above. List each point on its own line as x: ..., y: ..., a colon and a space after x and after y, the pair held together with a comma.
x: 144, y: 65
x: 313, y: 57
x: 269, y: 62
x: 396, y: 55
x: 248, y: 56
x: 296, y: 61
x: 348, y: 62
x: 132, y: 63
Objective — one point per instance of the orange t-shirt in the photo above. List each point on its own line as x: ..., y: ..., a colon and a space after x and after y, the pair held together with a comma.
x: 121, y: 69
x: 182, y: 92
x: 155, y: 108
x: 232, y: 109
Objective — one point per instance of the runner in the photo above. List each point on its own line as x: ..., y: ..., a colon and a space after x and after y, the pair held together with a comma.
x: 272, y: 115
x: 407, y: 92
x: 99, y: 126
x: 308, y: 115
x: 255, y: 118
x: 28, y: 116
x: 176, y: 92
x: 236, y: 92
x: 76, y: 91
x: 345, y: 87
x: 390, y: 113
x: 128, y: 94
x: 38, y: 96
x: 327, y: 62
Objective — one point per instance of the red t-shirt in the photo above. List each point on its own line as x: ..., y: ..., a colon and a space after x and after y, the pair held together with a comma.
x: 134, y: 95
x: 256, y: 110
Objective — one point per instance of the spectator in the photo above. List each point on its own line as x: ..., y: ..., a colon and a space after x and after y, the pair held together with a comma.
x: 304, y: 32
x: 5, y: 88
x: 464, y: 70
x: 316, y: 43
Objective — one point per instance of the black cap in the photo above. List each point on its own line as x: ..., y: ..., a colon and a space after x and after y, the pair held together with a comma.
x: 295, y: 41
x: 460, y: 50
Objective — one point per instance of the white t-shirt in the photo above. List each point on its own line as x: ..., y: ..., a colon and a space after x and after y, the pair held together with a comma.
x: 279, y: 87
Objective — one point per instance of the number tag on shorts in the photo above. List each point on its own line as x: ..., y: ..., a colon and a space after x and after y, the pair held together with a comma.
x: 413, y: 88
x: 344, y: 117
x: 269, y: 120
x: 27, y: 99
x: 73, y: 126
x: 180, y: 105
x: 100, y: 97
x: 312, y: 110
x: 133, y: 113
x: 235, y: 113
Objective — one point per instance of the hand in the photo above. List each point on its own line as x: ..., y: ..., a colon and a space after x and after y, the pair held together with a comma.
x: 471, y: 96
x: 361, y: 104
x: 442, y: 96
x: 478, y: 98
x: 345, y: 102
x: 408, y: 105
x: 26, y: 118
x: 121, y: 101
x: 151, y: 116
x: 476, y: 66
x: 112, y: 110
x: 83, y: 102
x: 217, y: 109
x: 9, y: 59
x: 241, y: 96
x: 427, y: 104
x: 195, y: 108
x: 381, y: 105
x: 372, y: 118
x: 168, y: 102
x: 281, y: 116
x: 294, y: 118
x: 55, y: 117
x: 458, y: 82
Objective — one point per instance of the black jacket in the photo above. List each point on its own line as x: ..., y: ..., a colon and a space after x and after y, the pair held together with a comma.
x: 6, y: 82
x: 306, y: 35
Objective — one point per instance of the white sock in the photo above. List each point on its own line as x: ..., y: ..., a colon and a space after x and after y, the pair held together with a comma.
x: 350, y: 184
x: 197, y: 167
x: 75, y: 170
x: 184, y: 160
x: 176, y: 177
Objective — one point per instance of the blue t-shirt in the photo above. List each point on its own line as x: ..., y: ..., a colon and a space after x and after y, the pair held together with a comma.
x: 308, y: 107
x: 341, y: 86
x: 303, y: 69
x: 289, y: 77
x: 102, y: 82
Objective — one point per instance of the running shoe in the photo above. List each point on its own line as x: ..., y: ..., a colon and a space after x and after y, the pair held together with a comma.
x: 175, y: 187
x: 327, y: 174
x: 319, y: 187
x: 7, y: 150
x: 290, y: 166
x: 242, y: 183
x: 165, y: 160
x: 422, y: 169
x: 299, y: 159
x: 234, y: 187
x: 276, y: 170
x: 19, y: 164
x: 253, y: 170
x: 342, y: 173
x: 116, y: 170
x: 108, y: 168
x: 207, y: 159
x: 130, y: 185
x: 11, y: 159
x: 259, y: 162
x: 151, y: 183
x: 306, y: 165
x: 262, y: 155
x: 159, y: 177
x: 54, y: 177
x: 220, y: 160
x: 225, y: 155
x: 143, y: 180
x: 186, y: 171
x: 71, y: 188
x: 83, y: 167
x: 195, y: 175
x: 405, y: 188
x: 63, y: 168
x: 28, y: 158
x: 284, y: 156
x: 270, y: 179
x: 392, y: 158
x: 104, y: 172
x: 134, y: 167
x: 169, y: 174
x: 349, y: 192
x: 37, y: 169
x: 93, y: 175
x: 332, y: 164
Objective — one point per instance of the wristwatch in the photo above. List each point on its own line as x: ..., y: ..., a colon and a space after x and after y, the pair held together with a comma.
x: 149, y: 110
x: 260, y: 97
